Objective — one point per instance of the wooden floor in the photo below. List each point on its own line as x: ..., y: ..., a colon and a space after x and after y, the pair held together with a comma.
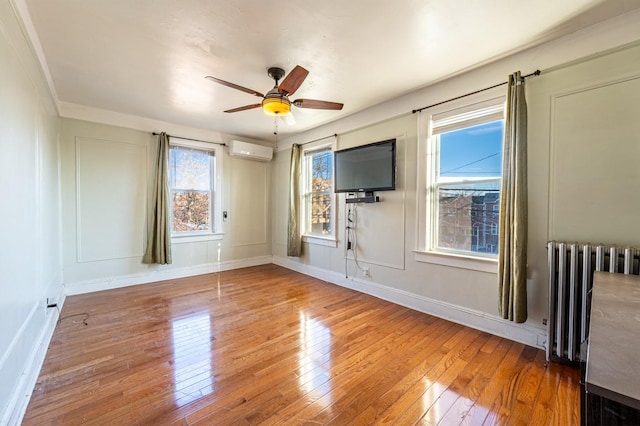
x: 266, y: 345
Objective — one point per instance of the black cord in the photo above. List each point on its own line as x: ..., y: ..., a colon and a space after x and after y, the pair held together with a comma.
x: 84, y: 320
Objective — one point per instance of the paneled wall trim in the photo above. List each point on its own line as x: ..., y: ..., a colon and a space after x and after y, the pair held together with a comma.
x: 111, y: 203
x: 594, y: 161
x: 249, y: 190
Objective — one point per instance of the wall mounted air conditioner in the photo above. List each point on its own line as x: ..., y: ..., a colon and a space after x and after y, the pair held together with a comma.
x: 250, y: 151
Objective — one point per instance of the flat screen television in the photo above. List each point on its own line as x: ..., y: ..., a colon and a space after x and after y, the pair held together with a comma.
x: 366, y: 168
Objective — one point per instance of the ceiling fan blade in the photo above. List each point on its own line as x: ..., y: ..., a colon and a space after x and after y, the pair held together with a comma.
x: 289, y: 118
x: 316, y: 104
x: 292, y: 81
x: 244, y: 108
x: 235, y: 86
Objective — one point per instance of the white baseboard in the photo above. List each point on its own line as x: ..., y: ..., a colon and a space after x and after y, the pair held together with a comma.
x: 523, y: 333
x: 24, y: 388
x: 161, y: 274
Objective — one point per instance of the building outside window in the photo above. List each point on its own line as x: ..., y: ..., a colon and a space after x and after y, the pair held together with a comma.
x: 192, y: 185
x: 464, y: 180
x: 318, y: 198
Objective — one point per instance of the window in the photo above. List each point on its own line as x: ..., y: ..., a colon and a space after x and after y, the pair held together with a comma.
x: 463, y: 180
x: 317, y: 192
x: 193, y: 190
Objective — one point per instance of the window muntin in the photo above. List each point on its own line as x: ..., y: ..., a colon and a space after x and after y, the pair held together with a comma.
x: 191, y: 186
x: 317, y: 193
x: 464, y: 183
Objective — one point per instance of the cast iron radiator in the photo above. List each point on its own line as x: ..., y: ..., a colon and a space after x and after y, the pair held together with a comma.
x: 571, y: 267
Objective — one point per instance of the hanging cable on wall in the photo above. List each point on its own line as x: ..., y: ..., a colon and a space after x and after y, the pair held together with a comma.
x: 351, y: 237
x: 348, y: 242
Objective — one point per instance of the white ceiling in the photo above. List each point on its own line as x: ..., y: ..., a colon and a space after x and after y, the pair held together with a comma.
x: 148, y: 58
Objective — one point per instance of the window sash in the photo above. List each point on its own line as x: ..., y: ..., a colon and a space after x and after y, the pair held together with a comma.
x: 308, y: 194
x: 472, y: 115
x: 455, y: 238
x: 211, y: 193
x: 477, y: 224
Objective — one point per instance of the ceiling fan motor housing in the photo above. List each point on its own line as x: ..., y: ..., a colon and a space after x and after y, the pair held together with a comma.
x: 276, y: 103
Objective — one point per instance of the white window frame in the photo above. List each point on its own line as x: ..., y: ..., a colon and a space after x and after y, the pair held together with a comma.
x: 215, y: 233
x: 329, y: 240
x: 427, y: 163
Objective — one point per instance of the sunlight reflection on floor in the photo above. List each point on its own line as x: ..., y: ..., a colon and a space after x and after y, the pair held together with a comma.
x: 192, y: 355
x: 314, y: 359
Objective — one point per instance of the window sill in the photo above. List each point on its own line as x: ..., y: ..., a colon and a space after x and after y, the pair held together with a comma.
x: 196, y: 238
x: 320, y: 241
x: 458, y: 261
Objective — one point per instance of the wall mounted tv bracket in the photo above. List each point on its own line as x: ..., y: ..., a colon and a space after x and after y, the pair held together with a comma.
x: 369, y: 197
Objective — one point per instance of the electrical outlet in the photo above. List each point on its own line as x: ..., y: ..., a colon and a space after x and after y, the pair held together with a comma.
x: 366, y: 272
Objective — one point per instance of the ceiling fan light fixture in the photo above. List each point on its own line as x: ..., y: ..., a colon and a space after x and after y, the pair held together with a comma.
x: 276, y: 104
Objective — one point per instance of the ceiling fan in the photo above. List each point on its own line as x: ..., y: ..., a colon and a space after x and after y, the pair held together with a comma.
x: 276, y: 102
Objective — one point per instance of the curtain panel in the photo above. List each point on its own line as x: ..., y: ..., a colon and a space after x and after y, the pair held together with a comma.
x: 512, y: 254
x: 159, y: 233
x: 294, y: 238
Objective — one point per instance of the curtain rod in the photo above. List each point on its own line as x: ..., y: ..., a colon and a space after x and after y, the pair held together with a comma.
x: 536, y: 72
x: 335, y: 135
x: 189, y: 139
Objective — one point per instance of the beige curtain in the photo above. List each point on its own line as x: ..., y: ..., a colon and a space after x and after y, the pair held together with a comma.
x: 512, y: 258
x: 159, y: 234
x: 294, y: 240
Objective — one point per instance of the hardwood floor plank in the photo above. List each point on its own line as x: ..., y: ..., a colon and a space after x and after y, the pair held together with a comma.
x: 407, y: 369
x: 423, y: 360
x: 436, y: 399
x: 480, y: 368
x: 266, y: 345
x: 490, y: 408
x: 568, y: 397
x: 529, y: 387
x: 354, y: 363
x: 385, y: 372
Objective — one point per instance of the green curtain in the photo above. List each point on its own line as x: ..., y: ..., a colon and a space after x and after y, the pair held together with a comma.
x: 159, y: 234
x: 294, y: 239
x: 512, y: 257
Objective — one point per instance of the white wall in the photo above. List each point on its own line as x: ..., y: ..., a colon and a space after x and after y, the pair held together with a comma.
x: 107, y: 173
x: 583, y: 175
x: 30, y: 259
